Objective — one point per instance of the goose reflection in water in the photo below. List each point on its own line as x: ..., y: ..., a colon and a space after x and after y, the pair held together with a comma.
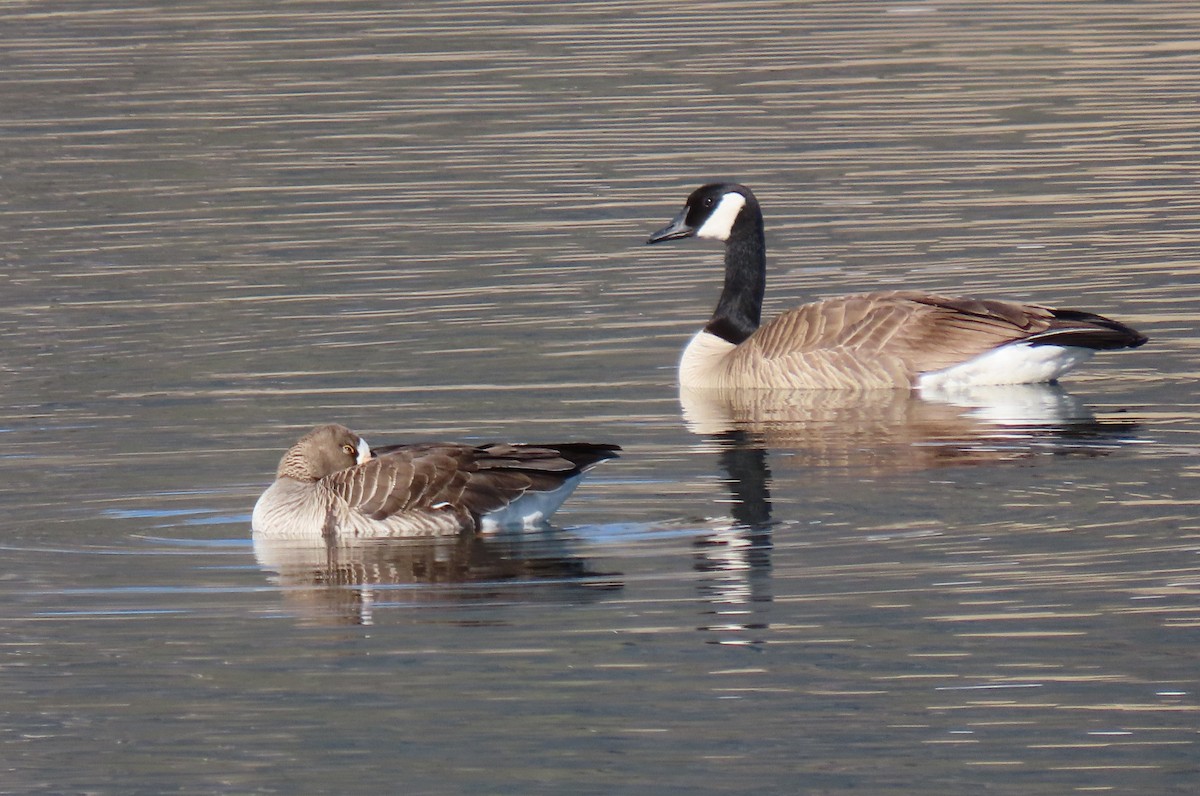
x: 344, y: 581
x: 735, y: 562
x: 872, y: 434
x: 894, y: 431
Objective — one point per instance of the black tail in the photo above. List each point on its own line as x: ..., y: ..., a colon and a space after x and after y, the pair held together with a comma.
x: 1085, y: 330
x: 582, y: 454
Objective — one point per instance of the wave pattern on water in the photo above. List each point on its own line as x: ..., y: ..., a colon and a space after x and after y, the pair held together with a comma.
x: 220, y: 225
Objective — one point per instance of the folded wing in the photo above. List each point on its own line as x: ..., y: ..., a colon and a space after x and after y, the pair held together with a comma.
x: 469, y: 481
x: 891, y: 337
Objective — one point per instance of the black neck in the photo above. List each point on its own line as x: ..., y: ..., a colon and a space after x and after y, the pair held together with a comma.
x: 739, y: 310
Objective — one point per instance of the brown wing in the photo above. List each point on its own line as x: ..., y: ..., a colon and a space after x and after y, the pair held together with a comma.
x: 468, y: 480
x: 891, y: 337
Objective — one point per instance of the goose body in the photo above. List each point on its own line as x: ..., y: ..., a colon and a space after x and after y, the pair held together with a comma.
x: 332, y: 484
x: 888, y: 339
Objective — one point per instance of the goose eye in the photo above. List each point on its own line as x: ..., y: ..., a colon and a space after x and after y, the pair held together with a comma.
x: 708, y: 201
x: 349, y: 450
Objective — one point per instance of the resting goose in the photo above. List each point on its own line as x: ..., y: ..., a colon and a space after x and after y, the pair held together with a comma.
x: 331, y: 483
x: 887, y: 339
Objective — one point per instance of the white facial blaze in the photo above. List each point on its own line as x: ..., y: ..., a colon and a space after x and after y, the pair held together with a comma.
x: 364, y: 451
x: 720, y: 221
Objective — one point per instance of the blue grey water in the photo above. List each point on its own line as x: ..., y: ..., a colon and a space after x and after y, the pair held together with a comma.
x: 222, y: 223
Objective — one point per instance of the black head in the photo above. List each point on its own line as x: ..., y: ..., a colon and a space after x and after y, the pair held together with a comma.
x: 710, y: 212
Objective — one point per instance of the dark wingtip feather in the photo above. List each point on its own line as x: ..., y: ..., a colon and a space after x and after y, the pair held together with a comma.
x: 583, y: 454
x: 1087, y: 330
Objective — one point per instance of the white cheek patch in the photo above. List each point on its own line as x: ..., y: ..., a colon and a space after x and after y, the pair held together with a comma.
x: 720, y: 222
x: 364, y: 451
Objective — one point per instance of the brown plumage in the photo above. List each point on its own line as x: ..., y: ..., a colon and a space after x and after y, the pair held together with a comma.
x: 890, y: 339
x: 422, y: 489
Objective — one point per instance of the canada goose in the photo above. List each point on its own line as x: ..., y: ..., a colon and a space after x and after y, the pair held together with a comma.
x: 331, y: 483
x: 897, y: 338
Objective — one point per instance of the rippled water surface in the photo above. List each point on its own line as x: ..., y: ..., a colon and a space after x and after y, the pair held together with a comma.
x: 222, y: 223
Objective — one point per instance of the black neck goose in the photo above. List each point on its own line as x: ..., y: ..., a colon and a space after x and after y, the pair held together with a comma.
x: 887, y: 339
x: 332, y: 484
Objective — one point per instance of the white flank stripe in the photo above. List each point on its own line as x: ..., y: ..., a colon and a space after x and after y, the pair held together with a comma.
x: 531, y: 509
x: 1015, y: 363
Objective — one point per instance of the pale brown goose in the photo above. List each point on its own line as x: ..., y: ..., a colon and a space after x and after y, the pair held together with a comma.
x: 889, y: 339
x: 331, y: 483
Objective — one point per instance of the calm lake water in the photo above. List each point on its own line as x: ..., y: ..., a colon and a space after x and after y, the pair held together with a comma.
x: 222, y: 223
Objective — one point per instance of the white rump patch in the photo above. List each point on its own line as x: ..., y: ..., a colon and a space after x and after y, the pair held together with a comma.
x: 531, y: 509
x: 364, y: 451
x: 720, y: 221
x: 1014, y: 363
